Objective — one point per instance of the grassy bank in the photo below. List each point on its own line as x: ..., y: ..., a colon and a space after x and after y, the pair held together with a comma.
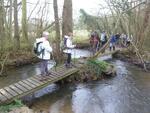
x: 9, y: 107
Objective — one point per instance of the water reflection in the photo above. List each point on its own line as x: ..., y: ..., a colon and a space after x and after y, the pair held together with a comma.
x: 15, y: 75
x: 107, y: 57
x: 24, y: 72
x: 128, y: 92
x: 85, y: 101
x: 78, y: 53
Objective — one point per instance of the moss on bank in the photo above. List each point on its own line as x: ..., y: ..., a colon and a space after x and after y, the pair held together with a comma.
x: 92, y: 70
x: 9, y: 107
x: 15, y: 107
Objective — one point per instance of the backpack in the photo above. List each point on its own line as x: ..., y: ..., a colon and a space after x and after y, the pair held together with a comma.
x: 64, y: 44
x: 105, y: 38
x: 36, y: 49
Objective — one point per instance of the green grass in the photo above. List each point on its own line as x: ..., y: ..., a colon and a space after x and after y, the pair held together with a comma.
x: 81, y: 36
x: 97, y: 66
x: 101, y: 64
x: 9, y: 107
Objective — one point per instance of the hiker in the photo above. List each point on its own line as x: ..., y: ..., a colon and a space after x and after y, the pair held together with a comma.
x: 117, y: 39
x: 103, y: 38
x: 43, y: 50
x: 68, y: 48
x: 91, y: 41
x: 128, y: 41
x: 95, y: 42
x: 123, y: 38
x: 112, y: 42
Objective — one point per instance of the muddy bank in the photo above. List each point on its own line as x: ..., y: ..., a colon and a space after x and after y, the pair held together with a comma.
x: 131, y: 58
x: 15, y: 60
x: 20, y: 58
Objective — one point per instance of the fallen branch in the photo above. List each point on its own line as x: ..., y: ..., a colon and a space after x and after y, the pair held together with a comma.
x: 139, y: 55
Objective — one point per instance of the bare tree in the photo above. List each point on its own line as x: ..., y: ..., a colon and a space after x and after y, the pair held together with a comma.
x: 16, y: 27
x: 24, y: 21
x: 57, y: 28
x: 67, y: 22
x: 10, y: 20
x: 2, y: 24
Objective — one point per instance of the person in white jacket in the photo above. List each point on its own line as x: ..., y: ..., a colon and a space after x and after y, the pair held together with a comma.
x: 46, y: 49
x: 69, y: 47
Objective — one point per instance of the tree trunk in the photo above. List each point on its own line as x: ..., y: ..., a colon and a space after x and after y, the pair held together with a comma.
x: 67, y: 22
x: 1, y: 25
x: 57, y: 28
x: 10, y: 21
x: 16, y: 28
x: 24, y: 21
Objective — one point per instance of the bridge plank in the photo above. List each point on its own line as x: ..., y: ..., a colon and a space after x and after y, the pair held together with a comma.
x: 12, y: 92
x: 33, y: 82
x: 25, y: 85
x: 61, y: 68
x: 5, y: 93
x: 16, y: 89
x: 39, y: 79
x: 20, y: 87
x: 61, y: 73
x: 50, y: 78
x: 26, y: 82
x: 2, y: 98
x: 57, y: 68
x: 45, y: 78
x: 55, y: 73
x: 36, y: 80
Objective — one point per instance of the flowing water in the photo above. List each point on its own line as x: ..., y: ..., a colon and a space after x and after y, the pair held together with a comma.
x: 24, y: 72
x: 128, y: 92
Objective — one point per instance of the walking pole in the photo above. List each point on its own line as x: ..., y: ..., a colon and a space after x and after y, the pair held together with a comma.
x: 74, y: 53
x: 74, y: 56
x: 55, y: 64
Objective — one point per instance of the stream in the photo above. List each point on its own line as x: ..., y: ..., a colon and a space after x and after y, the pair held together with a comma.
x: 128, y: 92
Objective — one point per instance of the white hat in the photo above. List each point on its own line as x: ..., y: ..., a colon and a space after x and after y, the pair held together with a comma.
x: 45, y: 33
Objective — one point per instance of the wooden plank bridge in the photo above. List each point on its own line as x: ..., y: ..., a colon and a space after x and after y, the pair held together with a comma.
x: 34, y: 83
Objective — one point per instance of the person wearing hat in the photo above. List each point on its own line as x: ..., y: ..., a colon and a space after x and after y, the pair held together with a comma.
x: 44, y: 49
x: 68, y: 49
